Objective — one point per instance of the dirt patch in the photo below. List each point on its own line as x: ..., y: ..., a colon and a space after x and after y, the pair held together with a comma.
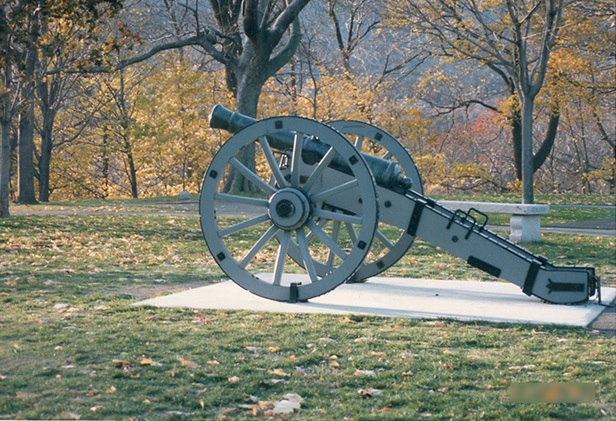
x: 151, y: 291
x: 606, y: 322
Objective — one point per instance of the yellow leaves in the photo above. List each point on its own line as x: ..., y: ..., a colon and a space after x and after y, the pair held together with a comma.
x: 145, y: 361
x: 187, y: 363
x: 279, y: 372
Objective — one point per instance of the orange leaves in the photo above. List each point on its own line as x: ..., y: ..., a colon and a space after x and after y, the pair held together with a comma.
x: 279, y: 372
x: 187, y: 363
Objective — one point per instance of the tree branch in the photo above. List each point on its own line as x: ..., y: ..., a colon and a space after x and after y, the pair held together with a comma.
x: 205, y: 40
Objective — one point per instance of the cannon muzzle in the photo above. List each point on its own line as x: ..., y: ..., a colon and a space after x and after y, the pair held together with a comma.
x: 386, y: 173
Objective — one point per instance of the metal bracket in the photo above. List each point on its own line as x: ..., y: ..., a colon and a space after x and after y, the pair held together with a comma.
x: 465, y: 217
x: 531, y: 276
x: 415, y: 217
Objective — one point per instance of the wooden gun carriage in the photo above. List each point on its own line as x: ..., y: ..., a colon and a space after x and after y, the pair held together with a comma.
x: 342, y: 202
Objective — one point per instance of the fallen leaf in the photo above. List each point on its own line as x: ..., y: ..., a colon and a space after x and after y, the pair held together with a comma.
x: 145, y: 361
x: 266, y: 404
x: 187, y: 363
x: 364, y: 373
x: 294, y: 397
x: 212, y: 362
x: 289, y: 404
x: 273, y: 349
x: 368, y: 393
x: 25, y: 395
x: 279, y: 372
x: 275, y: 381
x: 234, y: 379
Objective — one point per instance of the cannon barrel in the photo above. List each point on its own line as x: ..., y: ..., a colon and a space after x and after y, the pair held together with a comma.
x: 386, y: 173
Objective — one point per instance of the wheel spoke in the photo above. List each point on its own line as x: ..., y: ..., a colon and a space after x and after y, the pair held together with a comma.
x: 296, y: 161
x: 351, y: 231
x: 326, y: 240
x: 259, y: 245
x: 243, y: 225
x: 271, y: 160
x: 327, y: 158
x: 335, y: 236
x: 383, y: 239
x: 318, y: 197
x: 241, y: 199
x: 283, y: 237
x: 336, y: 216
x: 359, y: 141
x: 257, y: 181
x: 306, y: 257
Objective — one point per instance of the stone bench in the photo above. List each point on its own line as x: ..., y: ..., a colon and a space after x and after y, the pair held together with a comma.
x: 525, y: 222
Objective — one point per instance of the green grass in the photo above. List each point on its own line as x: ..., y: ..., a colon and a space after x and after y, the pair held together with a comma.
x: 73, y: 346
x: 563, y: 207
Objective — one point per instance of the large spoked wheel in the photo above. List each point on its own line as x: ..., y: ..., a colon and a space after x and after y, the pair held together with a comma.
x: 319, y: 182
x: 391, y: 242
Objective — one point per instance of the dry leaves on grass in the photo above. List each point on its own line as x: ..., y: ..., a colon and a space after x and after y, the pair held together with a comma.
x: 289, y: 403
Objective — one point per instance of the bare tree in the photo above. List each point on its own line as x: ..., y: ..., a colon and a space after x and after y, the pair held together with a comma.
x: 511, y: 37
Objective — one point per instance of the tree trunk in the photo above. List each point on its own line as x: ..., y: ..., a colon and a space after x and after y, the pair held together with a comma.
x: 25, y: 169
x: 248, y: 92
x: 5, y: 158
x: 549, y: 140
x: 131, y: 170
x: 44, y: 164
x: 527, y: 150
x: 516, y: 135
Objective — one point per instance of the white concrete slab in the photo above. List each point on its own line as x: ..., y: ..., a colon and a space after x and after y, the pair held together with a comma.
x: 402, y: 297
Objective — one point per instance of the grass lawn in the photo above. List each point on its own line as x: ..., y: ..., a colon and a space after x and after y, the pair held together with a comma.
x: 72, y: 346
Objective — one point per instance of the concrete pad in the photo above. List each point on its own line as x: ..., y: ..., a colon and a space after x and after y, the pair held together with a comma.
x: 402, y: 297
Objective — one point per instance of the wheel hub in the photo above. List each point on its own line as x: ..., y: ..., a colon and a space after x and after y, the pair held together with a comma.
x: 289, y: 208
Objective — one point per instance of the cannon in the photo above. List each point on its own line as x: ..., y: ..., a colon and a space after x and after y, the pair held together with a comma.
x: 342, y: 202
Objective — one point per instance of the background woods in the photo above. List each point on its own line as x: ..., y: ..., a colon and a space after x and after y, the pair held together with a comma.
x: 110, y: 98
